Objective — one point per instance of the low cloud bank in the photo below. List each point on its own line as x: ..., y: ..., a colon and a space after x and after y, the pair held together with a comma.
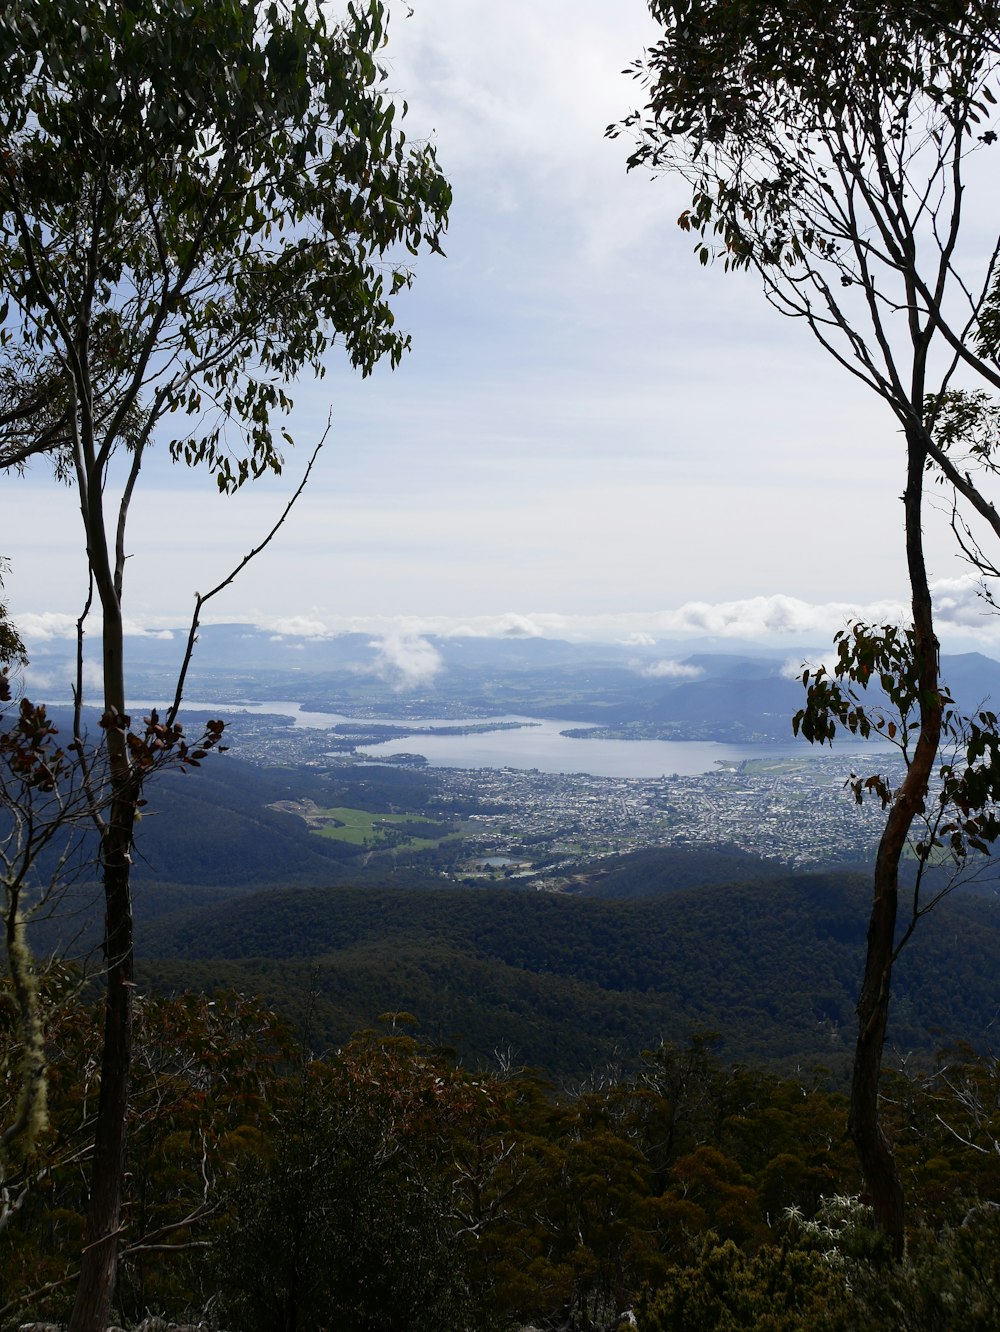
x: 299, y: 626
x: 51, y: 626
x: 959, y: 609
x: 408, y: 655
x: 774, y: 616
x: 668, y: 670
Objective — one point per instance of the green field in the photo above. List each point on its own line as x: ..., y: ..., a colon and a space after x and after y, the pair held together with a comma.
x: 360, y: 827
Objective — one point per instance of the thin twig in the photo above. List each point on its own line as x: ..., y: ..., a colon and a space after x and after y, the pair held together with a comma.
x: 201, y: 599
x: 22, y: 1301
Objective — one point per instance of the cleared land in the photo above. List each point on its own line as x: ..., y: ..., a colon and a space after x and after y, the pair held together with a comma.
x: 360, y: 827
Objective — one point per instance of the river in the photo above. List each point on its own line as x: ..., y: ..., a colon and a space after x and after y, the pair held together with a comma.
x: 536, y: 744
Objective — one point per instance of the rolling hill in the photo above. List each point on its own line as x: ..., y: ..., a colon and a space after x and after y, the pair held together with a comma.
x: 568, y: 983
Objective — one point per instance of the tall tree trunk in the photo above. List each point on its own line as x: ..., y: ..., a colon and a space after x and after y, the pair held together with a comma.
x: 878, y: 1164
x: 99, y: 1263
x: 99, y: 1267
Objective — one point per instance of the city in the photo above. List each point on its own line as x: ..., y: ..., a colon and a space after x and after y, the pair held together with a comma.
x: 543, y: 826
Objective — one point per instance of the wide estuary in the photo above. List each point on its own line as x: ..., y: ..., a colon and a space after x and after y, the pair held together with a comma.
x: 529, y: 744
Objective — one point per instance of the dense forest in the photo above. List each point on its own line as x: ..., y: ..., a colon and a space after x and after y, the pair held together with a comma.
x: 464, y: 1108
x: 385, y: 1186
x: 568, y: 982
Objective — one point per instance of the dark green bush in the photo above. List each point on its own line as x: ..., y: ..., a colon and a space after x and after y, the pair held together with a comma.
x: 341, y: 1228
x: 781, y: 1288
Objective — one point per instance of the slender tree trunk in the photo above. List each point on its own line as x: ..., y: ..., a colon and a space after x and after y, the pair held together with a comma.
x: 99, y: 1267
x: 878, y: 1164
x: 99, y: 1262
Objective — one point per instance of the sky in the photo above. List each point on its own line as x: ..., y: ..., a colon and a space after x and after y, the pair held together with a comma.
x: 593, y: 436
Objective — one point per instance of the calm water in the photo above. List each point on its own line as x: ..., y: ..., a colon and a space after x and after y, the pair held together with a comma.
x: 543, y: 747
x: 536, y: 745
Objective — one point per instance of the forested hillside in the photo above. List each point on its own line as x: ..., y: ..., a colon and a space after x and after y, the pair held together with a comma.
x: 659, y: 871
x: 267, y: 1187
x: 567, y: 983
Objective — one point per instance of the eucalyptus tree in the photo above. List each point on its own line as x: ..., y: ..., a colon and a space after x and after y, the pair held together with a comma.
x: 198, y: 198
x: 12, y: 650
x: 830, y: 147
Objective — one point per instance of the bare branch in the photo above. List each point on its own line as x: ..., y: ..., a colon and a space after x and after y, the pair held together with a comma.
x: 202, y: 598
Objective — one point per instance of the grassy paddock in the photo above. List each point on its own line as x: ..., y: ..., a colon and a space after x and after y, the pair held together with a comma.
x: 360, y: 827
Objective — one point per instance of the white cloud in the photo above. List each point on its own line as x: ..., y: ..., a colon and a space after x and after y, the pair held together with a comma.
x: 43, y: 627
x: 518, y: 626
x: 93, y: 677
x: 46, y: 626
x: 508, y: 625
x: 134, y: 629
x: 777, y: 615
x: 521, y: 90
x: 668, y: 670
x: 405, y: 661
x: 50, y: 682
x: 961, y: 616
x: 58, y: 681
x: 958, y: 608
x: 298, y: 626
x: 957, y: 601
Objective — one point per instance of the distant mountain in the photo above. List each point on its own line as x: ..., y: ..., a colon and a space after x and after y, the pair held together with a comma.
x: 668, y: 689
x: 754, y: 703
x: 973, y: 679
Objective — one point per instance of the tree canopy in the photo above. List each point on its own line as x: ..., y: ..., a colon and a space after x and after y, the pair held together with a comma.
x: 196, y: 201
x: 12, y: 649
x: 830, y: 146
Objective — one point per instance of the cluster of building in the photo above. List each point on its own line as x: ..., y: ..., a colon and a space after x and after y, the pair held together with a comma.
x: 798, y: 812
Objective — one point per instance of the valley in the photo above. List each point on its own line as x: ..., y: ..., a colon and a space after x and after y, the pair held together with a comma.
x: 317, y: 865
